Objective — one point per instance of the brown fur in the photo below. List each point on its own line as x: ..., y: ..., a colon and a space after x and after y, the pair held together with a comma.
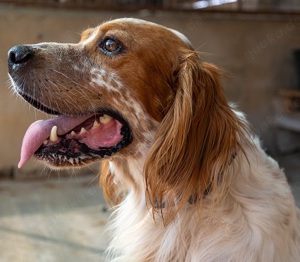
x: 194, y: 184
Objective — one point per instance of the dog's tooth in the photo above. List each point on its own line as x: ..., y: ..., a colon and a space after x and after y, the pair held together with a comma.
x: 82, y: 130
x: 105, y: 119
x: 96, y: 124
x: 45, y: 142
x: 53, y: 134
x: 73, y: 133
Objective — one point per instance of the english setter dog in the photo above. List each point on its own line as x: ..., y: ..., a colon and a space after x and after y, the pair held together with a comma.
x: 186, y: 178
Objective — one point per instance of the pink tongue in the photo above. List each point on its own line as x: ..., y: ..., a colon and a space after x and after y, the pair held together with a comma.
x: 40, y: 130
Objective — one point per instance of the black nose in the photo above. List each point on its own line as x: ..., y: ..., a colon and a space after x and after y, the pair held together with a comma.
x: 19, y: 54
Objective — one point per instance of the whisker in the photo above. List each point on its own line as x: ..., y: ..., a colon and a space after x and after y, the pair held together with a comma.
x: 80, y: 91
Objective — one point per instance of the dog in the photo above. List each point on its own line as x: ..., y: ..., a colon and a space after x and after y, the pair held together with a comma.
x: 186, y: 178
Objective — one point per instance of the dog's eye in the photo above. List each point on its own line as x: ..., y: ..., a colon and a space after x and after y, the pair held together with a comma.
x: 110, y: 46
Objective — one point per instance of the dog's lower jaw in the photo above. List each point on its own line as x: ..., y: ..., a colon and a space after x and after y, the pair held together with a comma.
x: 72, y: 153
x: 56, y: 162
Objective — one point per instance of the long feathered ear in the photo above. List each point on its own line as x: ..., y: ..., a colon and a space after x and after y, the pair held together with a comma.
x: 196, y: 141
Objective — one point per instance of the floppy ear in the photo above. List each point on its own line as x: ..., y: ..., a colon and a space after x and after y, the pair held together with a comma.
x: 196, y: 141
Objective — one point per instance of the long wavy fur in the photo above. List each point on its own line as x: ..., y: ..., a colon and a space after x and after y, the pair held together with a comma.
x: 196, y: 141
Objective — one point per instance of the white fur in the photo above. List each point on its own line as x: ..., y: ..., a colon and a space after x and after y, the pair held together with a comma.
x: 257, y: 221
x: 111, y: 83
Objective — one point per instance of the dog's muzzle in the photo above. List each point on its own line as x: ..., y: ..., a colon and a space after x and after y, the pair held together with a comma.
x: 76, y: 135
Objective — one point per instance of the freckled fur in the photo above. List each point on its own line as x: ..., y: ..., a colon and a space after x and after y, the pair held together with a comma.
x: 194, y: 184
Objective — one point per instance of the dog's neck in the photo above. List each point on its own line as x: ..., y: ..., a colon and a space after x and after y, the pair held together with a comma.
x: 130, y: 178
x: 128, y: 173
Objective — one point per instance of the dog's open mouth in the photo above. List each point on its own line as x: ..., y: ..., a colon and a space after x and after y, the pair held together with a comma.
x: 74, y: 140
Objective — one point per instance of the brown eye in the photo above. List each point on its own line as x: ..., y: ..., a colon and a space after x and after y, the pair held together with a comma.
x: 110, y: 46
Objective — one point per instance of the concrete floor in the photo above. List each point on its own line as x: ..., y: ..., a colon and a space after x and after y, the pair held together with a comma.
x: 52, y: 220
x: 63, y: 218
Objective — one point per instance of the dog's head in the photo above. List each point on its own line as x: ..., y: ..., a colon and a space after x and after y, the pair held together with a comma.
x: 131, y: 89
x: 109, y: 90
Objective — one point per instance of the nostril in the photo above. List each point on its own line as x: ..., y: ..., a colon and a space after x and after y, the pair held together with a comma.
x: 19, y: 54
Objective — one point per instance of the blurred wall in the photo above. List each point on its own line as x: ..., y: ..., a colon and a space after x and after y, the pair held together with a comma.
x: 255, y: 51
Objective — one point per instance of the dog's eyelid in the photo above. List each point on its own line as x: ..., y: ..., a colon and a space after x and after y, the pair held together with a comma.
x: 109, y: 36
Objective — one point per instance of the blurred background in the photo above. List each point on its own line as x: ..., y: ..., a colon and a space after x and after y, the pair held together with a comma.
x: 60, y: 215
